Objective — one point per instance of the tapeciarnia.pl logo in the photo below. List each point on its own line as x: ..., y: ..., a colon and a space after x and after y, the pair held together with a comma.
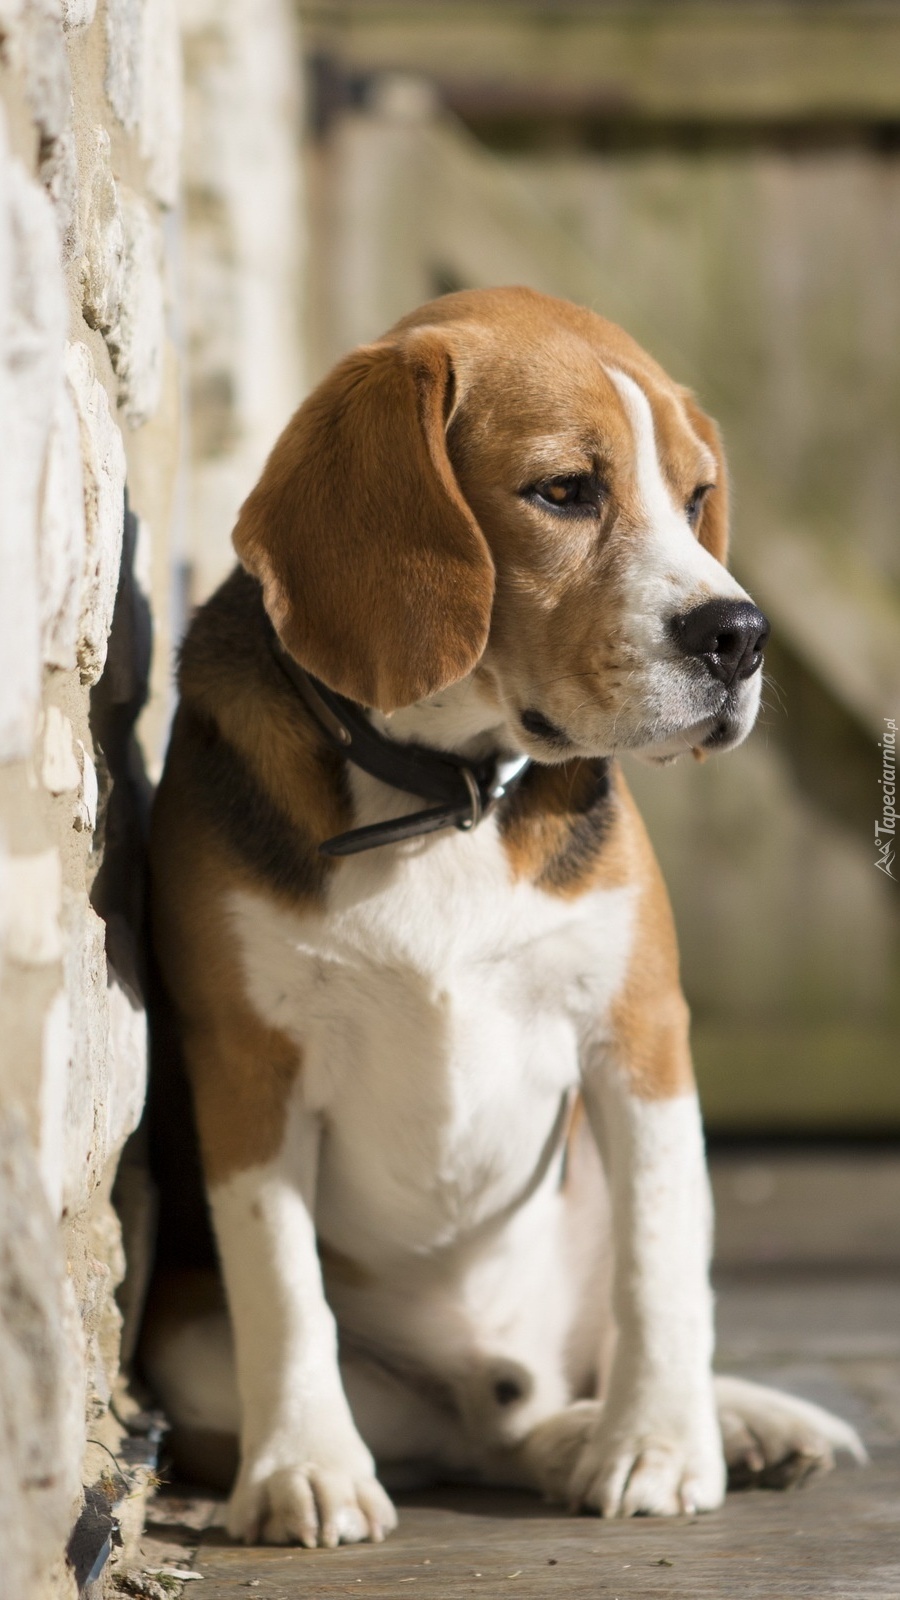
x: 885, y: 830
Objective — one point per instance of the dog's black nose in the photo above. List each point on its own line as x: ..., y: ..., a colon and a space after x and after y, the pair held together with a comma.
x: 729, y: 635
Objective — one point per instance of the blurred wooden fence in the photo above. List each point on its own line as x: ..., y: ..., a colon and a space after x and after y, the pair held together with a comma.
x: 727, y: 186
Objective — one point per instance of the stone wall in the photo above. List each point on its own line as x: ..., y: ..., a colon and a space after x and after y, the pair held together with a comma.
x: 119, y: 302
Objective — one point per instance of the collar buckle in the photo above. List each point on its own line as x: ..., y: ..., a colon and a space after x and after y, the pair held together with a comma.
x: 413, y: 769
x: 475, y: 800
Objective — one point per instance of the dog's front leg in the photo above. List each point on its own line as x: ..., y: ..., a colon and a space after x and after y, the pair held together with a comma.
x: 306, y: 1476
x: 657, y: 1446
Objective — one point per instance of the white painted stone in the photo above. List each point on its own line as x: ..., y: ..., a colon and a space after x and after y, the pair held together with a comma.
x: 140, y: 335
x: 41, y: 1414
x: 56, y: 1054
x: 18, y: 664
x: 90, y: 791
x: 62, y: 536
x: 59, y: 765
x: 78, y: 14
x: 88, y: 1086
x: 10, y: 23
x: 34, y: 47
x: 5, y: 900
x: 103, y: 238
x: 143, y: 84
x: 159, y: 137
x: 58, y: 172
x: 33, y: 886
x: 44, y: 63
x: 127, y: 1065
x: 103, y: 457
x: 107, y: 1069
x: 124, y: 41
x: 33, y: 316
x: 122, y: 282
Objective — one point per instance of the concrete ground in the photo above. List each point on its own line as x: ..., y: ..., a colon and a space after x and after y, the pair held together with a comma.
x: 808, y: 1283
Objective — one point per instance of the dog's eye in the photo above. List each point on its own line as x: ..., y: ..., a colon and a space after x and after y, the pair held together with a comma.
x: 576, y: 492
x: 695, y: 503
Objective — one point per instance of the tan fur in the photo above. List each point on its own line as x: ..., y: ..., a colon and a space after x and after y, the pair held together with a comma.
x: 548, y: 840
x: 650, y: 1015
x: 556, y: 836
x: 374, y: 570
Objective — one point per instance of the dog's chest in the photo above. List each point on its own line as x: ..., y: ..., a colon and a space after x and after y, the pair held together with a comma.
x: 439, y: 1009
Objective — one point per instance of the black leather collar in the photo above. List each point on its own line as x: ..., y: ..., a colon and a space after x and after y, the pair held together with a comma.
x: 465, y: 790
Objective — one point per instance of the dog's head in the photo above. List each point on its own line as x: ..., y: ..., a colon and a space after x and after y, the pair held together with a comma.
x: 507, y: 485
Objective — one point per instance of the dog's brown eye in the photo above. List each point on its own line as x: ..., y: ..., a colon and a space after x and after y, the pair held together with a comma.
x: 695, y: 503
x: 578, y: 492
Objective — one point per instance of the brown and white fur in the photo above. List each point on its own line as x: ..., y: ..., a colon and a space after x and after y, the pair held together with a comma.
x: 444, y: 1091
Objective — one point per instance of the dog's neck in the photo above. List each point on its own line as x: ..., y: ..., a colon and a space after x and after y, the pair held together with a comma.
x: 464, y: 719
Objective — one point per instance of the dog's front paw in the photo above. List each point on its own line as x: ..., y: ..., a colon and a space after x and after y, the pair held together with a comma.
x: 644, y: 1462
x: 775, y: 1440
x: 309, y: 1505
x: 553, y: 1448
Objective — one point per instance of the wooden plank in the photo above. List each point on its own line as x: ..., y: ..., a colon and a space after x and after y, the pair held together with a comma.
x: 642, y: 59
x: 838, y: 1536
x: 783, y: 1205
x: 839, y: 615
x: 840, y: 1078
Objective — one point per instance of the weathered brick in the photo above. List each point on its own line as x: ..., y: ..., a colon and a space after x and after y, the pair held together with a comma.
x: 103, y: 459
x: 87, y: 1145
x: 62, y: 535
x: 121, y: 271
x: 40, y: 1394
x: 103, y: 239
x: 32, y: 328
x: 159, y: 135
x: 33, y: 935
x: 138, y: 355
x: 77, y: 14
x: 86, y: 815
x: 56, y: 1054
x: 59, y: 764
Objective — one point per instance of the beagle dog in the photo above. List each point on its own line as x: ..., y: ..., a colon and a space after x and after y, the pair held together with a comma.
x: 439, y: 1057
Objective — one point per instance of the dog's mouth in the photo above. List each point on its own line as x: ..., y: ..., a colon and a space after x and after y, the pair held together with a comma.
x: 717, y: 731
x: 540, y: 728
x: 722, y: 730
x: 714, y: 734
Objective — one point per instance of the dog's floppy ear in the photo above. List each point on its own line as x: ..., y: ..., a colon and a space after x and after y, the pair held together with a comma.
x: 374, y: 571
x: 712, y: 528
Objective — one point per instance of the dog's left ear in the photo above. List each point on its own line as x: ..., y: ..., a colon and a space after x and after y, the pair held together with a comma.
x: 712, y: 528
x: 374, y: 570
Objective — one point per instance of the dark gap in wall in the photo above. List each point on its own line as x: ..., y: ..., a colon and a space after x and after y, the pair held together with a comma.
x: 531, y: 130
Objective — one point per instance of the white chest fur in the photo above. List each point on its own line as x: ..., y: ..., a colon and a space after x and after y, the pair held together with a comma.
x: 439, y: 1009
